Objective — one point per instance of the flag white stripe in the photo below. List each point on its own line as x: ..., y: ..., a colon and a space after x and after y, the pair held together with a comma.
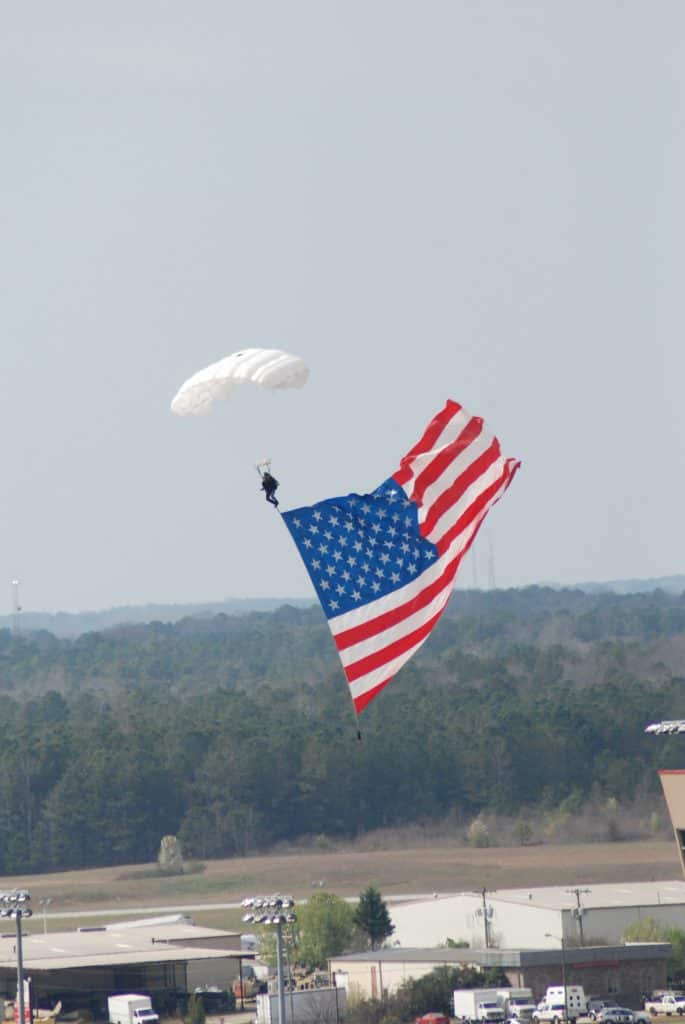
x: 470, y: 495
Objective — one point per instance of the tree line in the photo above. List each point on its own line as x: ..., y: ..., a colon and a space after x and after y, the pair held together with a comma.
x: 237, y: 733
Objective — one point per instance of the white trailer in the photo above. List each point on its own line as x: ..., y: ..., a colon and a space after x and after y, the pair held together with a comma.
x: 303, y: 1006
x: 573, y: 997
x: 131, y: 1009
x: 477, y: 1004
x: 561, y: 1004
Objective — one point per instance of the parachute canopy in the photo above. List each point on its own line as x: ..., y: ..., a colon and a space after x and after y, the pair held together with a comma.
x: 266, y: 367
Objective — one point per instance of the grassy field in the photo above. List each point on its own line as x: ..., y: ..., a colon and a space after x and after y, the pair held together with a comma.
x: 100, y: 895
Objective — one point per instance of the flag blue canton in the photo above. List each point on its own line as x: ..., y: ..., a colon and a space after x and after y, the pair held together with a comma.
x: 360, y: 547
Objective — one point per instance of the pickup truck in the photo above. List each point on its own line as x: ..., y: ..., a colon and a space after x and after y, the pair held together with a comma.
x: 555, y: 1013
x: 549, y: 1013
x: 665, y: 1005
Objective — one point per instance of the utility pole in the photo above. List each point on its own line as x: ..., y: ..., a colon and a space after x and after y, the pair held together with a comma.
x: 486, y: 912
x: 578, y: 910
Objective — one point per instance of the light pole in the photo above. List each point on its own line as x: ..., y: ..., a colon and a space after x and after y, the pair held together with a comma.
x: 276, y: 911
x: 13, y: 903
x: 560, y: 940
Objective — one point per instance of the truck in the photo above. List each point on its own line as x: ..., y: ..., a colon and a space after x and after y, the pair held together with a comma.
x: 131, y: 1009
x: 561, y: 1003
x: 666, y: 1003
x: 517, y: 1003
x: 477, y: 1004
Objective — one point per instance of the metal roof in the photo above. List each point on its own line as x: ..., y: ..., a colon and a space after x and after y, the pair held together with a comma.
x: 166, y: 954
x: 513, y: 957
x: 601, y: 896
x: 116, y: 945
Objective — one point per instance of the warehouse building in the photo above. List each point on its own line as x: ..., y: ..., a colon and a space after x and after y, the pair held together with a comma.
x: 81, y: 968
x: 673, y: 785
x: 624, y: 972
x: 539, y: 918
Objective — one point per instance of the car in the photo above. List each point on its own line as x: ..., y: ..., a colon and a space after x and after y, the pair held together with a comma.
x: 595, y: 1004
x: 433, y: 1018
x: 614, y: 1015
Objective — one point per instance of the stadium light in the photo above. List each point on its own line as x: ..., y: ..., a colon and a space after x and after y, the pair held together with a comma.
x: 14, y: 903
x: 275, y: 911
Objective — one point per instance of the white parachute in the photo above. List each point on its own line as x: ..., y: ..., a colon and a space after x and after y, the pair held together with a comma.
x: 265, y: 367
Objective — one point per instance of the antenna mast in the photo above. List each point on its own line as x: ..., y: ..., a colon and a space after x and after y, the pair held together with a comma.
x: 492, y: 583
x: 16, y: 606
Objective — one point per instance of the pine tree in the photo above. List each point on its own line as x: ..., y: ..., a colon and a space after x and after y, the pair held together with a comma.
x: 372, y: 918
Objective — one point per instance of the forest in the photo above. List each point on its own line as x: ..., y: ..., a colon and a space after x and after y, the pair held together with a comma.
x: 236, y: 732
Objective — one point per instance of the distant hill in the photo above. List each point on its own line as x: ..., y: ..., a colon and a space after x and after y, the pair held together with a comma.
x: 669, y: 584
x: 73, y: 624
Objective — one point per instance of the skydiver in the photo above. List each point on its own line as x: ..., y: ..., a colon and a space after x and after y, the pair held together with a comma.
x: 269, y: 486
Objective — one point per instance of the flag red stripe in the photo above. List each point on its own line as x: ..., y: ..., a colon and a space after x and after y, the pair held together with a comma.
x: 479, y: 505
x: 450, y: 496
x: 430, y: 436
x: 437, y: 466
x: 363, y: 699
x: 386, y: 620
x: 384, y: 654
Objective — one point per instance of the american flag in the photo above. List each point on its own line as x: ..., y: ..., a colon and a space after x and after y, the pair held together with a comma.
x: 383, y: 564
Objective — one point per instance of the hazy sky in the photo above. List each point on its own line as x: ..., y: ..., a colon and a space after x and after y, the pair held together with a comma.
x: 476, y: 200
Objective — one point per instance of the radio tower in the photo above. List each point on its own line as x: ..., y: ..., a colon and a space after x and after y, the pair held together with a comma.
x: 16, y: 606
x: 492, y: 582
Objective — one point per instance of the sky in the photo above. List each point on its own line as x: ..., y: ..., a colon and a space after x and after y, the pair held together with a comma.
x: 476, y: 200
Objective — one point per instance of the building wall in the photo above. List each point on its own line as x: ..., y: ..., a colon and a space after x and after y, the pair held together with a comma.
x: 220, y: 973
x: 510, y: 925
x: 627, y: 982
x: 370, y: 979
x: 673, y: 785
x: 514, y: 925
x: 624, y: 981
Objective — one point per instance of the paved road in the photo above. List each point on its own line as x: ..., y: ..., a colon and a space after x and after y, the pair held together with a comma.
x: 186, y: 908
